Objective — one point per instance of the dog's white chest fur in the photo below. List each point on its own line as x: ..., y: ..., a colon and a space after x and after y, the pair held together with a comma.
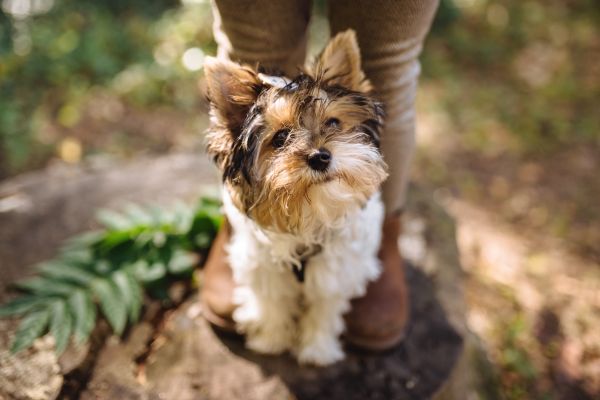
x: 275, y: 310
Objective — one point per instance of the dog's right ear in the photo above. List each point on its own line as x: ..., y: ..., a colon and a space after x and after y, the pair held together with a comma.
x: 232, y: 89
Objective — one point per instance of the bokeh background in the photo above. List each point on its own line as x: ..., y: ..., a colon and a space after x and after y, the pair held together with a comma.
x: 509, y: 130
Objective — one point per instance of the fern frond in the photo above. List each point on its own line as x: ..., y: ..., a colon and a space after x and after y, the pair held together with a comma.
x: 182, y: 262
x: 148, y: 273
x: 61, y: 324
x: 66, y: 272
x: 84, y: 314
x: 142, y: 248
x: 111, y: 303
x: 113, y: 221
x: 131, y: 292
x: 22, y: 305
x: 32, y: 327
x: 45, y: 286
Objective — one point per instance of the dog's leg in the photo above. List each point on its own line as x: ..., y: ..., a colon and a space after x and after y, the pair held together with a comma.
x: 266, y: 310
x: 266, y: 294
x: 320, y: 328
x: 325, y: 301
x: 334, y: 277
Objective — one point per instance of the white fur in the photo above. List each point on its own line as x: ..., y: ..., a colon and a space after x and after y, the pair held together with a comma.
x: 275, y: 311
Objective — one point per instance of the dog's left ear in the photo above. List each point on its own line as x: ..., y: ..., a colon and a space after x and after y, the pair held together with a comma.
x: 232, y: 89
x: 339, y: 63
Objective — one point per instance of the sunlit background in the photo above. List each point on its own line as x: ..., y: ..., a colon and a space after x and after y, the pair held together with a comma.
x: 509, y: 130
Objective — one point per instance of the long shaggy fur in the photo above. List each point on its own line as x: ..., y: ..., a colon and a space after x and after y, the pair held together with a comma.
x: 288, y: 216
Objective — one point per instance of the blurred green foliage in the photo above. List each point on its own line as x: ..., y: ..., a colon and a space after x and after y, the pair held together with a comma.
x: 50, y: 60
x: 526, y: 71
x: 523, y: 70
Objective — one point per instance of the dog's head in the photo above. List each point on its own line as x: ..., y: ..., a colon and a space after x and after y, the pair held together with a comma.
x: 297, y: 153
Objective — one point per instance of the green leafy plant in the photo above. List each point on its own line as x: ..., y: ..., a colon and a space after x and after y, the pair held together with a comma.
x: 140, y: 250
x: 56, y: 56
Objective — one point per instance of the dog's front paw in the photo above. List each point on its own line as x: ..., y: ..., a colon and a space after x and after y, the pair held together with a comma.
x: 267, y: 344
x: 322, y: 352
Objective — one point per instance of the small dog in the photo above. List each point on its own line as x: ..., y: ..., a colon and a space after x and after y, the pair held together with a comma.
x: 301, y: 171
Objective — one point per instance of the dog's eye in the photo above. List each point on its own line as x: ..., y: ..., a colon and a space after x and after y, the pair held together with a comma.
x: 332, y: 123
x: 280, y: 137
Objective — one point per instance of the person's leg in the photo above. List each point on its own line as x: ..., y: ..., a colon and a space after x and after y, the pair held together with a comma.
x: 269, y: 33
x: 272, y: 34
x: 390, y: 35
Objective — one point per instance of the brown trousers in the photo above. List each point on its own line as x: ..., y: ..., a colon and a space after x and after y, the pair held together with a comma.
x: 390, y: 35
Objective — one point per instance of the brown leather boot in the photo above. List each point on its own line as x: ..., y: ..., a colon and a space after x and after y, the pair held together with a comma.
x: 377, y: 320
x: 216, y: 294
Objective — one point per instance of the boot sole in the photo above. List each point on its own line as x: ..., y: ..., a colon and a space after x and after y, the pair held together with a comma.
x: 375, y: 345
x: 226, y: 325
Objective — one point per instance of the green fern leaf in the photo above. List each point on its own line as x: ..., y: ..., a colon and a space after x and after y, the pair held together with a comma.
x: 84, y: 314
x: 113, y: 221
x: 66, y: 272
x: 102, y: 267
x: 202, y: 225
x: 157, y: 216
x: 46, y: 286
x: 76, y: 255
x: 146, y: 273
x: 212, y: 209
x: 114, y: 238
x: 138, y: 297
x: 22, y: 305
x: 111, y: 304
x: 137, y: 215
x: 130, y: 292
x: 209, y: 204
x: 202, y: 240
x: 182, y: 262
x: 31, y: 327
x: 61, y: 325
x: 143, y: 239
x: 159, y: 238
x: 84, y: 240
x: 182, y: 218
x: 165, y: 218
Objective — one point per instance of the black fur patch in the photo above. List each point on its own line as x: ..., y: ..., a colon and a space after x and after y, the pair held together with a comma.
x: 336, y: 91
x: 244, y: 147
x: 371, y: 127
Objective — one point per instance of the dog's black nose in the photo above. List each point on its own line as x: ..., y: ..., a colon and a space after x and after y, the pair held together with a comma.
x: 319, y: 160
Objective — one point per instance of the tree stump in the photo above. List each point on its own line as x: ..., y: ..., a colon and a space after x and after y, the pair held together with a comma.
x: 193, y: 361
x: 181, y: 357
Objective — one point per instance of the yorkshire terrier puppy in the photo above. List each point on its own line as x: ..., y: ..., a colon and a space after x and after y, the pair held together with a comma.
x: 301, y: 172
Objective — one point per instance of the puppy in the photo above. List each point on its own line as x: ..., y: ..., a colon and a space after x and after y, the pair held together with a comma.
x: 301, y: 171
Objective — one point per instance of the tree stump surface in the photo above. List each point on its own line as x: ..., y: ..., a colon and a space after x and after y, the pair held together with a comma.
x: 180, y: 356
x: 193, y: 361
